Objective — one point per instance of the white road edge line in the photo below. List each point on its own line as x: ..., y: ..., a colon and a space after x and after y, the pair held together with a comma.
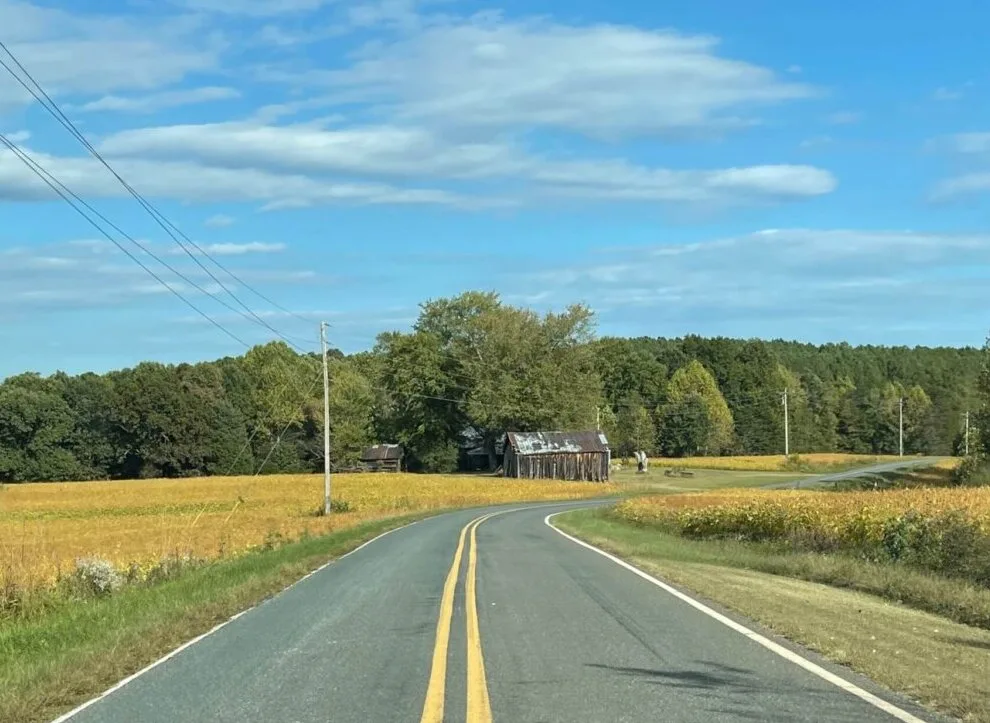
x: 189, y: 643
x: 770, y: 645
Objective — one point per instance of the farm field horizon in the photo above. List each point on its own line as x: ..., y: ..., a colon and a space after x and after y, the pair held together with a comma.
x: 45, y: 527
x: 135, y: 524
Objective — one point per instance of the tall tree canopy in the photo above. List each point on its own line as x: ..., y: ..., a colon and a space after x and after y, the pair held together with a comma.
x: 473, y: 367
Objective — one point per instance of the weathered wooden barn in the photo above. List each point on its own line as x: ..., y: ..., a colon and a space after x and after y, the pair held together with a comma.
x: 382, y: 458
x: 577, y: 456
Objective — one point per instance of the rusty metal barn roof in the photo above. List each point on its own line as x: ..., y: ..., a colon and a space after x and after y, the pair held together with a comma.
x: 525, y: 443
x: 381, y: 453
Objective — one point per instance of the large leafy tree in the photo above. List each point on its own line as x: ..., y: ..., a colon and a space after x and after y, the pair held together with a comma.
x: 351, y: 403
x: 36, y: 426
x: 695, y: 405
x: 634, y: 429
x: 475, y: 365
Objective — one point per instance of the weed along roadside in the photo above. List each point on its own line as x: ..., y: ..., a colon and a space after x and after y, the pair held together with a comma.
x: 871, y: 616
x: 70, y: 649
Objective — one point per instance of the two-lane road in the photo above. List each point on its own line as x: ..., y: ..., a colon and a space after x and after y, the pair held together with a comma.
x: 464, y: 618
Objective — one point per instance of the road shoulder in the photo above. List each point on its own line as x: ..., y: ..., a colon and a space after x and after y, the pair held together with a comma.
x: 930, y: 659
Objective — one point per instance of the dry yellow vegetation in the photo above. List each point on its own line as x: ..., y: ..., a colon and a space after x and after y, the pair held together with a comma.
x: 854, y: 519
x: 774, y: 463
x: 45, y: 527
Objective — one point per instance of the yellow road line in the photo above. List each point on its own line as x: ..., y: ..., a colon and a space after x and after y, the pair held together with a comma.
x: 435, y: 691
x: 479, y: 709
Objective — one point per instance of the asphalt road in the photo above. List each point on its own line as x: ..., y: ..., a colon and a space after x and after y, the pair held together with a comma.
x: 558, y: 633
x: 827, y: 479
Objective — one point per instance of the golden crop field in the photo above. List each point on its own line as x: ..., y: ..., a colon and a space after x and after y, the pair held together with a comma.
x: 773, y: 463
x: 847, y: 518
x: 45, y: 527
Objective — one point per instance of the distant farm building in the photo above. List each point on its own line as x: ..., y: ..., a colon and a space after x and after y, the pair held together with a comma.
x: 576, y: 456
x: 382, y: 458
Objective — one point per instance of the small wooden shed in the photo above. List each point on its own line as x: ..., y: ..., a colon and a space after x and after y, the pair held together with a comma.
x: 575, y: 456
x: 382, y: 458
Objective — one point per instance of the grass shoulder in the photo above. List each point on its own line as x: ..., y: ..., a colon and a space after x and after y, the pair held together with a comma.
x: 63, y: 655
x: 870, y: 617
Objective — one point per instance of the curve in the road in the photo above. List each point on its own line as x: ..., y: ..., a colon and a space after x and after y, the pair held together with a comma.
x: 567, y: 634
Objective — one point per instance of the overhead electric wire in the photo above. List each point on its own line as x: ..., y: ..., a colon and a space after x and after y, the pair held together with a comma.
x: 69, y: 197
x: 42, y: 96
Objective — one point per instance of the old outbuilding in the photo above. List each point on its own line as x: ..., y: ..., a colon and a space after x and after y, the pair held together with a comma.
x: 576, y: 456
x: 382, y: 458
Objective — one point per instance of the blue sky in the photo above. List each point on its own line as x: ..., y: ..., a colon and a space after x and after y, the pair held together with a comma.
x: 761, y: 169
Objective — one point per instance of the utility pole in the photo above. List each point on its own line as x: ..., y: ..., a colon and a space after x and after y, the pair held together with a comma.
x: 967, y: 432
x: 598, y: 419
x: 787, y: 430
x: 326, y: 419
x: 900, y: 426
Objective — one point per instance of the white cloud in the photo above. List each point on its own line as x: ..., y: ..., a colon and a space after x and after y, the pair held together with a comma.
x: 88, y: 273
x: 774, y: 280
x: 816, y: 142
x: 233, y: 249
x: 416, y: 152
x: 254, y: 8
x: 384, y: 150
x: 602, y: 80
x: 618, y: 180
x: 154, y: 102
x: 845, y: 117
x: 964, y: 185
x: 451, y: 98
x: 92, y: 53
x: 947, y: 94
x: 971, y: 143
x: 219, y: 221
x: 975, y: 147
x: 193, y: 182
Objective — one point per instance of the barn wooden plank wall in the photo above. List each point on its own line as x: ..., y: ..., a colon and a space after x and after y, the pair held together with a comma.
x: 577, y: 466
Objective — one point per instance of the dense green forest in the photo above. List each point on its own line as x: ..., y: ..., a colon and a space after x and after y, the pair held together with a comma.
x: 470, y: 369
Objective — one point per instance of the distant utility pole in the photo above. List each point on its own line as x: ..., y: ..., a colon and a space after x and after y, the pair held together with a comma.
x: 967, y: 433
x: 326, y: 419
x: 598, y: 419
x: 900, y: 426
x: 787, y: 430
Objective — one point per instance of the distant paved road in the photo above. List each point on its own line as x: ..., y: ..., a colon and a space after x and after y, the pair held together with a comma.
x: 556, y: 633
x: 827, y: 479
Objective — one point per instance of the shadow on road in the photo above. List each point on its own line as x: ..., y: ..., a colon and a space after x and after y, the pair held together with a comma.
x: 715, y: 676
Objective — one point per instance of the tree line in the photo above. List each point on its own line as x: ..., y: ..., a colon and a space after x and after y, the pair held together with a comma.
x: 471, y: 368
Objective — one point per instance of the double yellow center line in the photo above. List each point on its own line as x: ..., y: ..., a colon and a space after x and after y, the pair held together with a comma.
x: 479, y: 708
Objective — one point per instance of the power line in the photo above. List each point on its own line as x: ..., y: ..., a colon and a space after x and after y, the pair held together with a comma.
x: 52, y: 181
x: 39, y: 94
x: 67, y: 195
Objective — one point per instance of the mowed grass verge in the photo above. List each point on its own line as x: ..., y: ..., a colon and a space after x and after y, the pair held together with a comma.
x: 656, y: 482
x: 837, y: 605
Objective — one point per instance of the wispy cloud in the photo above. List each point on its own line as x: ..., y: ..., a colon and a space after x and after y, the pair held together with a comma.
x: 153, y: 102
x: 410, y: 152
x: 233, y: 249
x: 843, y: 118
x: 947, y: 94
x: 601, y: 80
x: 827, y: 279
x: 973, y: 149
x: 219, y: 221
